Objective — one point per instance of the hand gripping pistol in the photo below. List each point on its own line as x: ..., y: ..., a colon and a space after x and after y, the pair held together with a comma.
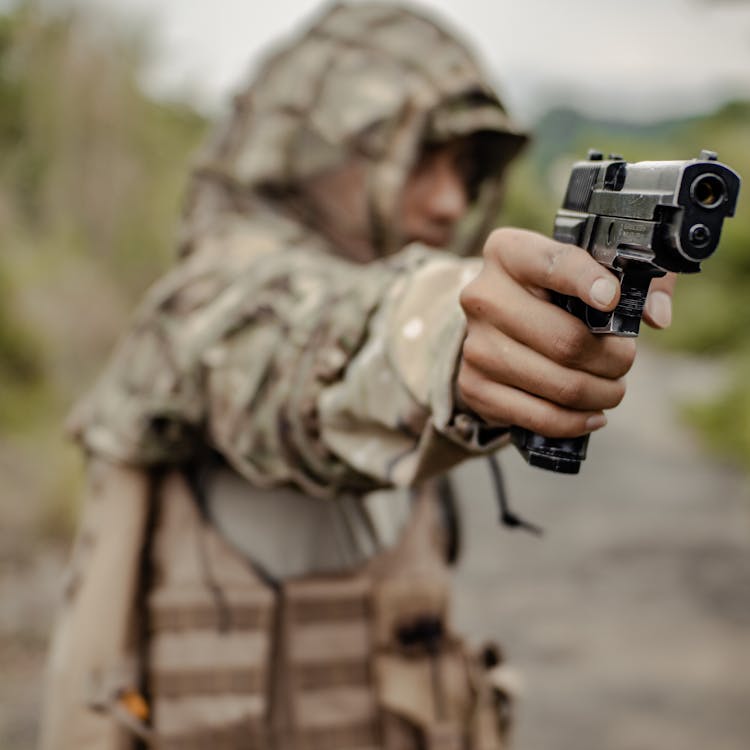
x: 639, y: 220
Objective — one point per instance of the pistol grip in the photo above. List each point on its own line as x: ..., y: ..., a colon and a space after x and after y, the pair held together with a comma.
x: 563, y: 455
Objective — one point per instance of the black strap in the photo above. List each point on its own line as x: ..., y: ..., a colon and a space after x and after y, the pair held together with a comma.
x: 507, y: 516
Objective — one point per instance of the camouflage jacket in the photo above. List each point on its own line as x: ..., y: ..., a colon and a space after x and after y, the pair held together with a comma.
x: 266, y: 343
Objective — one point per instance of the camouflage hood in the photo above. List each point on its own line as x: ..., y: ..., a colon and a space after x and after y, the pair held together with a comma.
x: 370, y: 80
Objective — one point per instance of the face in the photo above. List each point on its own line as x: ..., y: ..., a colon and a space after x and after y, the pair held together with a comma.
x: 338, y: 207
x: 435, y: 197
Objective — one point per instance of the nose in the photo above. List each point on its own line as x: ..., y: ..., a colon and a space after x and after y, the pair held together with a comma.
x: 448, y: 199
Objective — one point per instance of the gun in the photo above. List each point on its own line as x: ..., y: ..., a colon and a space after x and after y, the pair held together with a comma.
x: 639, y: 220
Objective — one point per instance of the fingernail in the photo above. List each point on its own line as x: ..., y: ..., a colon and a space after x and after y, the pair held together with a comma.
x: 596, y: 422
x: 603, y: 290
x: 659, y: 308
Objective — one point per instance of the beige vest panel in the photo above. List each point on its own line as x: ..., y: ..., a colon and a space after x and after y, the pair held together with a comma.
x: 93, y: 658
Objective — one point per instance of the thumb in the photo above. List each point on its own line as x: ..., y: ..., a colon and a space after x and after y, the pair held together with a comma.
x: 658, y: 310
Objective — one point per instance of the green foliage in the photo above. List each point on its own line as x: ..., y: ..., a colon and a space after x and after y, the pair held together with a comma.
x: 21, y: 365
x: 10, y: 92
x: 91, y: 176
x: 725, y: 420
x: 91, y: 173
x: 529, y: 202
x: 20, y: 357
x: 96, y: 159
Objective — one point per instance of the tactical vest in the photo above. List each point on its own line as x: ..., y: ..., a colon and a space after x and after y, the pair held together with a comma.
x: 194, y: 649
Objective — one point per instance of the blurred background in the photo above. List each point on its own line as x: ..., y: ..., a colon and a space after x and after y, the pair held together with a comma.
x: 102, y: 103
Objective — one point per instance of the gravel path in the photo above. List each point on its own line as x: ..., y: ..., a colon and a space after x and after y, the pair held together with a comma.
x: 628, y: 623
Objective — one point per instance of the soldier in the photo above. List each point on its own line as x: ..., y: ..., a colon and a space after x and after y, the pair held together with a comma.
x: 237, y: 581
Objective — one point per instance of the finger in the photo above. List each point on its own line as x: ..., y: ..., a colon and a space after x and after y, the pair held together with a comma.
x: 542, y: 326
x: 536, y: 260
x: 502, y: 404
x: 503, y: 360
x: 658, y: 310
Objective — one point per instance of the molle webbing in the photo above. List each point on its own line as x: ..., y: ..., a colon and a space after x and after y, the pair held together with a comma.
x: 210, y: 631
x: 182, y: 682
x: 197, y: 611
x: 243, y: 734
x: 326, y: 632
x: 199, y: 648
x: 360, y: 735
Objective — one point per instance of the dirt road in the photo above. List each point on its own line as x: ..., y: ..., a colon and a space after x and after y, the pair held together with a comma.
x: 628, y: 623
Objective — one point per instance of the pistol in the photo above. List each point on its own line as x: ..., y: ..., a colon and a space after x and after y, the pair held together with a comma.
x: 639, y: 220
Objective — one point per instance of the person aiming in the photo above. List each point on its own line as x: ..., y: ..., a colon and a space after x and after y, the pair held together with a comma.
x: 261, y: 561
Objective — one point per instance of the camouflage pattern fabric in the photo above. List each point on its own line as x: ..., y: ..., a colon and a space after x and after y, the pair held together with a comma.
x: 264, y: 341
x: 368, y: 79
x: 308, y: 371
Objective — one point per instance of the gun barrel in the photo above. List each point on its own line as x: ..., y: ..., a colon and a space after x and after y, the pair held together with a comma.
x: 685, y: 202
x: 709, y: 191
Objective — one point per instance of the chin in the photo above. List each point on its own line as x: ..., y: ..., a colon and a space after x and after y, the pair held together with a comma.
x: 440, y: 244
x: 438, y: 239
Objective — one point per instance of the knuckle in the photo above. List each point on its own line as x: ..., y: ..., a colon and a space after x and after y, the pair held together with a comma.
x: 480, y: 356
x: 567, y: 349
x: 492, y: 246
x: 627, y: 354
x: 468, y: 385
x: 539, y: 422
x: 546, y: 422
x: 555, y: 255
x: 473, y: 393
x: 572, y: 390
x: 500, y: 242
x: 620, y: 357
x: 478, y: 298
x: 618, y: 394
x: 498, y: 237
x: 472, y: 352
x: 470, y: 298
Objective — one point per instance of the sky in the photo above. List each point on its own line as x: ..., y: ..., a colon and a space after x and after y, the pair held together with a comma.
x: 637, y: 60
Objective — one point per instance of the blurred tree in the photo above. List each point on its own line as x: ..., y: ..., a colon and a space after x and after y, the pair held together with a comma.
x: 91, y: 174
x: 95, y: 161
